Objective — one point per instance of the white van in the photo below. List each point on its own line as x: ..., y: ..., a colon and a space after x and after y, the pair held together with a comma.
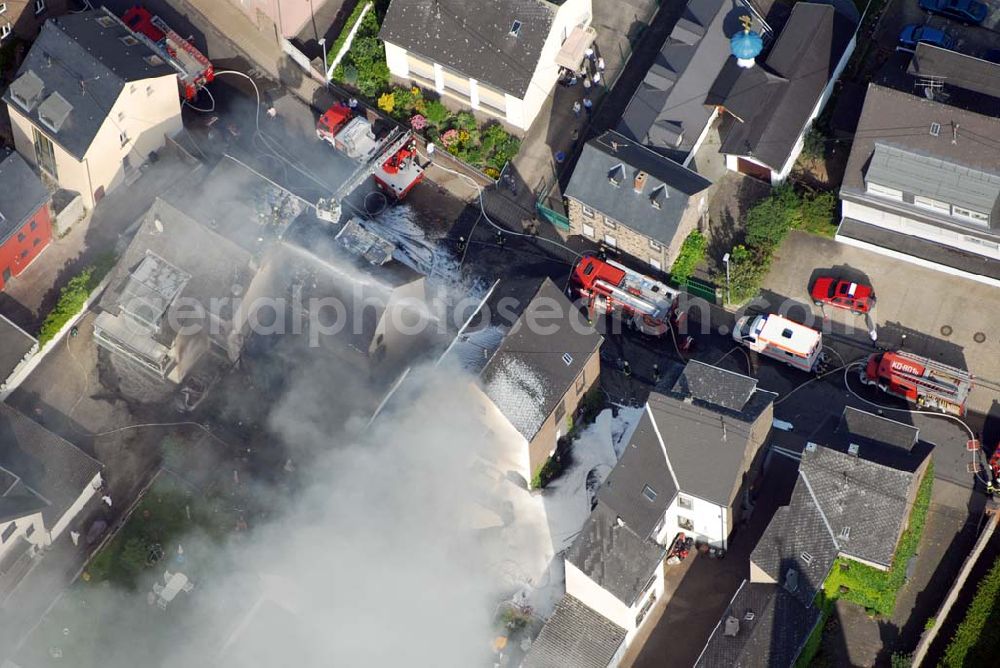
x: 780, y: 338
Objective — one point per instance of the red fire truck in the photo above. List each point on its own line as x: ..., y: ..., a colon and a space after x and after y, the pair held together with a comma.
x: 919, y: 380
x: 615, y: 289
x: 391, y: 157
x: 194, y: 70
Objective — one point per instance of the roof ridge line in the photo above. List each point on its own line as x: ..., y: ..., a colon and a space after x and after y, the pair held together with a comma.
x: 663, y: 447
x: 822, y: 514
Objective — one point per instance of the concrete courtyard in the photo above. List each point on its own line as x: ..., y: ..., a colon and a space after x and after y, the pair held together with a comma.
x: 927, y: 312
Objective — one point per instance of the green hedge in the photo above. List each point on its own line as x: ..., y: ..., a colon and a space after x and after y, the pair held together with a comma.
x: 874, y: 589
x: 767, y: 224
x: 975, y: 642
x: 363, y: 66
x: 73, y: 296
x: 814, y: 642
x: 338, y: 43
x: 691, y: 254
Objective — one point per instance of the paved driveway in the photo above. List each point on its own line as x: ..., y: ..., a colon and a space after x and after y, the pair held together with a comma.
x: 937, y: 315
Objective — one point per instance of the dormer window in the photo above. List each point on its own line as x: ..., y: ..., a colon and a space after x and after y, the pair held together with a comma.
x: 128, y: 40
x: 515, y: 29
x: 657, y: 197
x: 935, y: 129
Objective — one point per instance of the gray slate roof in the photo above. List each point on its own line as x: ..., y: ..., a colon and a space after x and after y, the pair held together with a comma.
x: 956, y: 69
x: 575, y: 637
x: 715, y: 385
x: 901, y: 120
x: 88, y: 65
x: 668, y: 110
x: 528, y: 374
x: 53, y: 468
x: 706, y: 442
x: 22, y: 193
x: 614, y: 556
x: 16, y: 344
x: 930, y: 176
x: 641, y: 465
x: 672, y: 184
x: 473, y: 37
x: 841, y: 504
x: 17, y: 500
x: 878, y: 428
x: 772, y: 637
x: 806, y: 54
x: 798, y: 540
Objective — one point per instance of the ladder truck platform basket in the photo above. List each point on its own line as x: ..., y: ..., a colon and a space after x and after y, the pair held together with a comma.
x: 921, y: 381
x: 194, y: 70
x: 613, y: 288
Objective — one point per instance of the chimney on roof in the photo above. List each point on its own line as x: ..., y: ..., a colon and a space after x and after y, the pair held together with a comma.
x: 640, y: 181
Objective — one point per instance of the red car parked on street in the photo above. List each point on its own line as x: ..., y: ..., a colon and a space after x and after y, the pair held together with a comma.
x: 856, y: 297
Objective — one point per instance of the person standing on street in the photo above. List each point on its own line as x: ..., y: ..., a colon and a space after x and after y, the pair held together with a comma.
x: 576, y: 108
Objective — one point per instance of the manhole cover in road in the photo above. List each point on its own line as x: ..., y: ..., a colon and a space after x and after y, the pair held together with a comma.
x: 946, y: 330
x: 979, y: 337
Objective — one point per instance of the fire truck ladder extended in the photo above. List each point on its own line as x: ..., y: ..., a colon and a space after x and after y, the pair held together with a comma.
x: 940, y: 381
x: 388, y: 147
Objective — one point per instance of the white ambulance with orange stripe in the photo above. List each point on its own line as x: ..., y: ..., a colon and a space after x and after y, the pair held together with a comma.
x: 780, y: 338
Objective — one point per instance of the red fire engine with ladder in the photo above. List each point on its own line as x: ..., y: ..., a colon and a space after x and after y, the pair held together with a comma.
x: 615, y: 289
x: 391, y: 157
x: 919, y: 380
x: 194, y: 70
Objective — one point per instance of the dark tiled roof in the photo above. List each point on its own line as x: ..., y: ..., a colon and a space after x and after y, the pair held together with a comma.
x: 956, y: 69
x: 877, y: 428
x: 16, y: 344
x: 671, y: 184
x: 842, y: 504
x: 769, y: 631
x: 668, y: 110
x: 715, y: 386
x: 88, y: 65
x: 797, y: 539
x: 18, y: 500
x: 706, y: 443
x: 575, y: 637
x: 614, y: 556
x: 806, y: 54
x: 642, y: 465
x: 865, y: 503
x: 22, y: 193
x: 535, y: 365
x: 473, y: 37
x: 903, y: 120
x: 55, y: 469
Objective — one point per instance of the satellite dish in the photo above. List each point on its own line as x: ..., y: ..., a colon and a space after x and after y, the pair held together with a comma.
x: 158, y: 224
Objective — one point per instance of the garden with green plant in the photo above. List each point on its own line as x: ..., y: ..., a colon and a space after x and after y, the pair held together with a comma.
x: 73, y: 296
x: 363, y: 69
x: 767, y: 224
x: 976, y: 642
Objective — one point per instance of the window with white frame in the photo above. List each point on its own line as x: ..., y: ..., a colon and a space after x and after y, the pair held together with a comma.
x: 968, y: 214
x: 588, y: 230
x: 685, y: 502
x: 883, y: 191
x: 655, y: 263
x: 39, y: 6
x: 610, y: 223
x: 685, y: 523
x: 4, y: 30
x: 932, y: 204
x: 123, y: 137
x: 3, y: 7
x: 610, y: 241
x: 587, y: 211
x: 655, y: 245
